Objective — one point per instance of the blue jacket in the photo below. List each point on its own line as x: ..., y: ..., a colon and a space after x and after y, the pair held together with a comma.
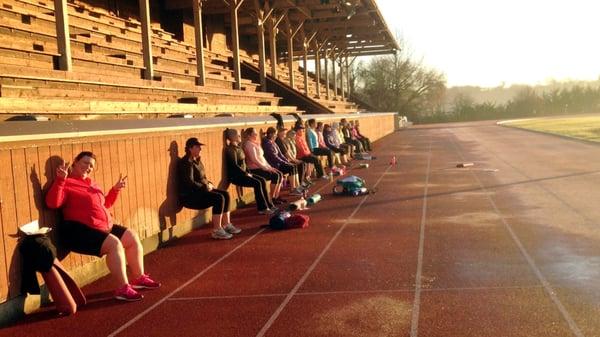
x: 312, y: 139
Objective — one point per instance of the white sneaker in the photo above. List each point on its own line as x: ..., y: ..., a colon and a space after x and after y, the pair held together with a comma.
x: 221, y: 234
x: 231, y: 229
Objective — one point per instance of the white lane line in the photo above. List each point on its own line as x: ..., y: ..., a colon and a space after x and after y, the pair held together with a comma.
x: 351, y: 292
x: 161, y: 301
x: 224, y: 297
x: 414, y: 325
x: 293, y: 292
x: 547, y: 287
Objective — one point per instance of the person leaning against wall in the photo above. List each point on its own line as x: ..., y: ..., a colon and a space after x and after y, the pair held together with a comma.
x: 88, y: 227
x: 197, y: 192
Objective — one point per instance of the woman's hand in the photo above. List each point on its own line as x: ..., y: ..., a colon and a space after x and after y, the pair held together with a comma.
x: 210, y: 187
x: 121, y: 183
x: 62, y: 171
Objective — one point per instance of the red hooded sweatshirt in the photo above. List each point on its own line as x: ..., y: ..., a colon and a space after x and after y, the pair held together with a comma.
x: 83, y: 201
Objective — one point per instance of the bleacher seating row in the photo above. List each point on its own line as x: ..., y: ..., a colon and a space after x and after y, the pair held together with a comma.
x: 107, y: 65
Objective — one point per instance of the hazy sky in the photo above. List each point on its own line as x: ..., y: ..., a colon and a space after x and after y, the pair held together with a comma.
x: 487, y: 42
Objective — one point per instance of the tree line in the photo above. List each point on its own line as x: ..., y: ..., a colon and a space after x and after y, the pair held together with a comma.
x: 398, y: 83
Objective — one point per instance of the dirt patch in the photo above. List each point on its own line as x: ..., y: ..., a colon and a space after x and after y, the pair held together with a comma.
x: 379, y: 316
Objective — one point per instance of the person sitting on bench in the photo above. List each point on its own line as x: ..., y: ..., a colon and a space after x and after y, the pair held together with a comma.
x: 338, y: 138
x: 303, y: 152
x: 366, y: 142
x: 349, y: 137
x: 330, y: 140
x: 276, y: 159
x: 312, y: 139
x: 291, y: 153
x: 196, y: 192
x: 258, y: 165
x: 88, y: 228
x: 237, y: 173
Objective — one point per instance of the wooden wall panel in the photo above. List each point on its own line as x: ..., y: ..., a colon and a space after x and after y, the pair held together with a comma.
x: 147, y: 205
x: 7, y: 216
x: 132, y: 184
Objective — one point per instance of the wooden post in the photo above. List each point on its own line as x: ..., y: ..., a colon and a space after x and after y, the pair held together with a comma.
x: 347, y: 78
x: 260, y: 28
x: 201, y: 74
x: 305, y: 59
x: 146, y: 39
x: 62, y: 35
x: 273, y: 40
x: 318, y: 71
x: 290, y: 44
x: 273, y: 50
x: 326, y: 59
x: 235, y: 41
x: 341, y: 60
x: 335, y: 87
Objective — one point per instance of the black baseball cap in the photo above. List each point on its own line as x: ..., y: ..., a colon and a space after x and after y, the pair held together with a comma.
x: 192, y: 142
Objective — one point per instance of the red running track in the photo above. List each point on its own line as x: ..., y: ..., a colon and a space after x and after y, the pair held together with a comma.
x: 508, y: 247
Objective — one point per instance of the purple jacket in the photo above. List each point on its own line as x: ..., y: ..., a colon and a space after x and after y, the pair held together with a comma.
x: 272, y: 153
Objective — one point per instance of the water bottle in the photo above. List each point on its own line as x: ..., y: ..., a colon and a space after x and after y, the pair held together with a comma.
x: 313, y: 199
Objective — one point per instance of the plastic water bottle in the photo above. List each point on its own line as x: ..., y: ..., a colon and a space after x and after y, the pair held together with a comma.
x: 313, y: 199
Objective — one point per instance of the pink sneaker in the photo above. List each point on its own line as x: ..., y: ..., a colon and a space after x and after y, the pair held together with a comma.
x: 145, y: 282
x: 127, y: 293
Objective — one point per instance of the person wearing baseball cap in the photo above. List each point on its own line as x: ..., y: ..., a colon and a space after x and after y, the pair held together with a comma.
x: 197, y: 192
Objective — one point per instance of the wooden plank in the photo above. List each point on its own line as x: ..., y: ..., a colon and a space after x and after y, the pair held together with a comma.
x: 132, y: 188
x: 113, y: 159
x: 125, y: 193
x: 17, y: 168
x: 7, y: 217
x: 140, y: 165
x: 156, y: 179
x: 146, y: 186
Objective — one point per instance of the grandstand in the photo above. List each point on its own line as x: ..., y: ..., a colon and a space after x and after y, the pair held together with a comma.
x: 104, y: 75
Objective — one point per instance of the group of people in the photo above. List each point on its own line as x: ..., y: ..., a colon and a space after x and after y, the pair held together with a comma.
x: 249, y: 160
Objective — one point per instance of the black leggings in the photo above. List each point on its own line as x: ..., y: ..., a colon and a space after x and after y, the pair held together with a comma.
x: 217, y: 199
x: 321, y: 151
x: 338, y: 150
x: 366, y: 142
x: 259, y: 184
x: 358, y: 146
x: 290, y: 169
x: 311, y: 159
x: 273, y: 177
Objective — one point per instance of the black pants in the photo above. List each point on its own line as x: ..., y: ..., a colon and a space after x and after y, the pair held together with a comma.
x: 348, y: 148
x: 273, y: 177
x: 339, y: 150
x: 358, y: 146
x: 217, y: 199
x: 366, y: 142
x: 320, y: 151
x: 290, y: 169
x: 259, y: 184
x: 315, y: 161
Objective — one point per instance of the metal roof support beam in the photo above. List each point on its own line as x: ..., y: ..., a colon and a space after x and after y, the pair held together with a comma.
x: 146, y: 39
x: 199, y: 37
x: 234, y: 5
x: 274, y: 23
x: 62, y: 35
x: 260, y: 27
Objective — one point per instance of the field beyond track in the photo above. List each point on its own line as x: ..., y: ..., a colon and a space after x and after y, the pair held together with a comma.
x: 579, y: 127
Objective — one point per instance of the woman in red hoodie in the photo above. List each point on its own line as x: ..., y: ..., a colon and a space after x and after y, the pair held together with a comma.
x: 87, y: 226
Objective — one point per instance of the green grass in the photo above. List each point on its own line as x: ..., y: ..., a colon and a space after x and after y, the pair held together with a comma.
x: 585, y: 128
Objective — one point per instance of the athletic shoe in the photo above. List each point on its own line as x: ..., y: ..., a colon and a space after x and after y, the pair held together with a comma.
x: 268, y: 211
x: 231, y: 229
x: 297, y: 192
x: 144, y: 282
x: 221, y: 234
x: 127, y: 293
